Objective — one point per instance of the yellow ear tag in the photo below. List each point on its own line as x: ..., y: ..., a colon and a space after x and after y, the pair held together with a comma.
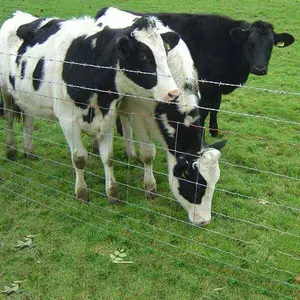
x: 168, y: 48
x: 280, y: 44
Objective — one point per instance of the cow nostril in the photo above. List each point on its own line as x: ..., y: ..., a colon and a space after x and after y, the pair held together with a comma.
x: 173, y: 94
x: 204, y: 223
x: 258, y: 70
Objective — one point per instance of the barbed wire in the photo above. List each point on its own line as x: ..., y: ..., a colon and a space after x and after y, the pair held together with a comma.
x: 131, y: 114
x: 202, y: 80
x: 96, y: 90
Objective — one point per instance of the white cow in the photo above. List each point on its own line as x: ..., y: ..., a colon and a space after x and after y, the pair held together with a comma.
x: 193, y: 169
x: 53, y: 68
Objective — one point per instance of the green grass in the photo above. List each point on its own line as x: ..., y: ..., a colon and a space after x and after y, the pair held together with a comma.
x: 231, y: 259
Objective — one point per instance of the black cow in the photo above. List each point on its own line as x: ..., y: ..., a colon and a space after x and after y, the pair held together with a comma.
x: 223, y: 50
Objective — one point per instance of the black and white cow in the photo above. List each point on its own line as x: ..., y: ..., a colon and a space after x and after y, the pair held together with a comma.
x: 46, y: 71
x: 223, y: 50
x: 193, y: 169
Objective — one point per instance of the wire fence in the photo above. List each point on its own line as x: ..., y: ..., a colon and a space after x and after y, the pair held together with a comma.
x: 254, y: 236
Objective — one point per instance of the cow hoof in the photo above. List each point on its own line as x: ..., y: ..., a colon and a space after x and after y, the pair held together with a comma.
x: 113, y: 200
x: 11, y: 153
x: 112, y: 194
x: 151, y: 195
x: 30, y: 156
x: 95, y: 150
x: 131, y: 155
x: 82, y: 195
x: 214, y: 132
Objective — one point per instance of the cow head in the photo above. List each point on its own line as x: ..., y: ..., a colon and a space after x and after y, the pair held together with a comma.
x: 258, y: 41
x: 193, y: 182
x: 144, y: 50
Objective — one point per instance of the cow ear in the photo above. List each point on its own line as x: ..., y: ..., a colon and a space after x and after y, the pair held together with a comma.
x: 218, y: 145
x: 171, y: 39
x: 239, y: 35
x: 282, y: 40
x: 25, y: 34
x: 123, y: 47
x: 180, y: 166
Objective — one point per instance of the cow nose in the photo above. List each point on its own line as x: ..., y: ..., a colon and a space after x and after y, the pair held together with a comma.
x: 172, y: 95
x: 204, y: 223
x: 259, y: 70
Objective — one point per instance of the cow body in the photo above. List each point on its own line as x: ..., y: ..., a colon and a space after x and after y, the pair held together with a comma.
x: 193, y: 169
x: 223, y: 50
x: 71, y: 70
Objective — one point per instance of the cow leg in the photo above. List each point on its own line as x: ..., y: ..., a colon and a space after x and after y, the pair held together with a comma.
x: 27, y: 133
x: 147, y: 151
x: 105, y: 143
x: 148, y: 155
x: 79, y: 154
x: 213, y: 124
x: 128, y: 136
x: 95, y: 146
x: 205, y: 104
x: 11, y: 146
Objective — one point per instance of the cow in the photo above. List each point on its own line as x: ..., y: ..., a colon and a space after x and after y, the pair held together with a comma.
x: 224, y: 50
x: 77, y: 71
x: 193, y: 169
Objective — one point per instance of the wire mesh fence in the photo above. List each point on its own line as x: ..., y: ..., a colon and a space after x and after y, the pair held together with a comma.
x: 254, y: 236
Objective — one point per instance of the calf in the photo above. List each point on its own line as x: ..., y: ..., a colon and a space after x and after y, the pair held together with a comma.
x: 193, y: 169
x: 77, y: 72
x: 223, y: 50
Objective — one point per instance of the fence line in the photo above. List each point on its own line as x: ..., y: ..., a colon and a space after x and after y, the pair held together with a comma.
x: 151, y: 248
x: 179, y: 248
x: 141, y: 207
x: 202, y: 80
x: 155, y: 118
x: 138, y: 206
x: 95, y: 90
x: 144, y: 223
x: 196, y: 183
x: 154, y: 171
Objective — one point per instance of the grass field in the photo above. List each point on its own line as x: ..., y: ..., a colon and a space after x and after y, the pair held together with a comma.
x: 251, y: 250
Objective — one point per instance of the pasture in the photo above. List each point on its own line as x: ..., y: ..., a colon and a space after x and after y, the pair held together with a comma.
x: 249, y: 251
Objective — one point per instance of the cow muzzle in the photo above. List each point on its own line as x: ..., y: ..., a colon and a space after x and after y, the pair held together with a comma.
x: 198, y: 220
x: 172, y: 95
x: 259, y: 70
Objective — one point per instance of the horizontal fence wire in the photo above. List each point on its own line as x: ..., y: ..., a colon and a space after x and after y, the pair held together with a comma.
x: 179, y: 248
x: 163, y: 148
x: 101, y: 228
x: 220, y: 263
x: 202, y: 80
x: 144, y: 223
x: 153, y: 211
x: 148, y: 98
x: 259, y: 200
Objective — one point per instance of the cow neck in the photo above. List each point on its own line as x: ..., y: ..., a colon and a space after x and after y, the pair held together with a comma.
x: 179, y: 137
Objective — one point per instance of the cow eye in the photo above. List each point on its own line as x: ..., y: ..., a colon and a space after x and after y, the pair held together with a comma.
x: 144, y: 57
